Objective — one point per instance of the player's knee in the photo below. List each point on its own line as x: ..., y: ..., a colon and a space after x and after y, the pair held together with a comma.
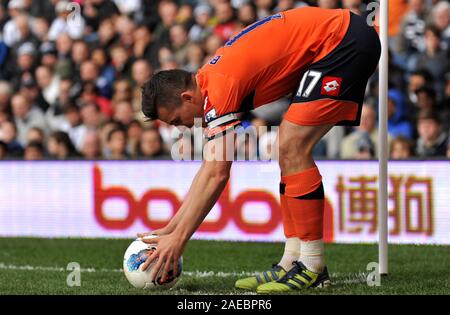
x: 292, y: 156
x: 296, y: 147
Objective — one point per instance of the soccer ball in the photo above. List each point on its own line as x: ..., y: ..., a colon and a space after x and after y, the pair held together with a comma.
x: 135, y: 255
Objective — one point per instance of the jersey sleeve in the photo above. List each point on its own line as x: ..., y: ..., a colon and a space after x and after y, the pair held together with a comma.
x: 221, y: 107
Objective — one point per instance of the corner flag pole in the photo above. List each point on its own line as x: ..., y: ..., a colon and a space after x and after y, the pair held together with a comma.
x: 383, y: 142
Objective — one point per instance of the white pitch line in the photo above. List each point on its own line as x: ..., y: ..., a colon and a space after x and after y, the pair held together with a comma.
x: 347, y: 278
x: 197, y: 273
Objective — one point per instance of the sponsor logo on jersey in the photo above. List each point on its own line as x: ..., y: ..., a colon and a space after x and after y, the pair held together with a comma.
x: 331, y: 86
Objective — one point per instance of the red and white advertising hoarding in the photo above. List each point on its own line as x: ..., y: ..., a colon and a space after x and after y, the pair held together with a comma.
x: 120, y: 199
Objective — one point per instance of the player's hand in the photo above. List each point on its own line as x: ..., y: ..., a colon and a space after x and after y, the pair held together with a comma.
x: 169, y: 228
x: 168, y: 251
x: 165, y: 230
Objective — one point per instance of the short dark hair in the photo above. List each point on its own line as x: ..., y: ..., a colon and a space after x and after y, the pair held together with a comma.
x: 63, y: 138
x: 36, y: 145
x: 118, y: 129
x: 433, y: 29
x: 430, y: 114
x: 427, y: 89
x: 404, y: 140
x: 164, y: 89
x: 423, y: 73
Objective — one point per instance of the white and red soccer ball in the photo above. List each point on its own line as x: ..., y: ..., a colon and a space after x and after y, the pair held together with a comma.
x: 135, y: 256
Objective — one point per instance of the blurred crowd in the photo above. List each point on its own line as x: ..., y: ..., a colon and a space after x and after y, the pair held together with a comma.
x: 71, y: 72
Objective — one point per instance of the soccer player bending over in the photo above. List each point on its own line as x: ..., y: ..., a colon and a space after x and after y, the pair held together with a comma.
x: 324, y: 58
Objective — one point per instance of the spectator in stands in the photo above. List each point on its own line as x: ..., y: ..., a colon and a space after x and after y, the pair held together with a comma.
x: 128, y: 7
x: 412, y: 29
x: 434, y: 58
x: 264, y: 8
x: 246, y: 13
x: 185, y: 14
x: 397, y: 114
x: 125, y: 27
x: 8, y: 135
x: 48, y: 82
x: 17, y: 31
x: 432, y: 140
x: 134, y: 134
x: 122, y: 91
x: 90, y: 94
x: 91, y: 147
x: 401, y: 148
x: 226, y: 20
x: 34, y: 151
x: 356, y: 6
x: 96, y: 11
x: 106, y: 35
x: 11, y: 30
x: 365, y: 148
x: 63, y: 67
x: 25, y: 117
x: 40, y: 26
x: 426, y: 99
x: 35, y: 135
x: 117, y: 144
x: 123, y: 112
x: 441, y: 19
x: 212, y: 43
x: 106, y: 71
x: 74, y: 27
x: 60, y: 147
x: 179, y: 42
x: 368, y: 127
x: 72, y: 125
x: 79, y: 55
x: 48, y: 54
x: 91, y: 115
x: 202, y: 27
x: 90, y: 73
x: 141, y: 72
x: 194, y: 57
x: 30, y: 90
x: 104, y: 130
x: 327, y: 4
x: 144, y: 45
x: 167, y: 11
x: 26, y: 61
x: 151, y: 144
x: 417, y: 79
x: 68, y: 90
x: 120, y: 60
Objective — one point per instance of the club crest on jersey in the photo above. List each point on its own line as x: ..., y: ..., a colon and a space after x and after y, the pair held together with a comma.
x: 331, y: 86
x: 210, y: 115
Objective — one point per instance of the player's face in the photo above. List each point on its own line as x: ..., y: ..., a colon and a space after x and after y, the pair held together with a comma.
x: 184, y: 114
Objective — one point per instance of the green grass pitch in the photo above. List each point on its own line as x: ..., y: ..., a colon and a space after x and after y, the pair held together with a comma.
x: 38, y: 266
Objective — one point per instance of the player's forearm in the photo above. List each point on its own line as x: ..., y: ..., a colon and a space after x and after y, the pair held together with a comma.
x: 211, y: 181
